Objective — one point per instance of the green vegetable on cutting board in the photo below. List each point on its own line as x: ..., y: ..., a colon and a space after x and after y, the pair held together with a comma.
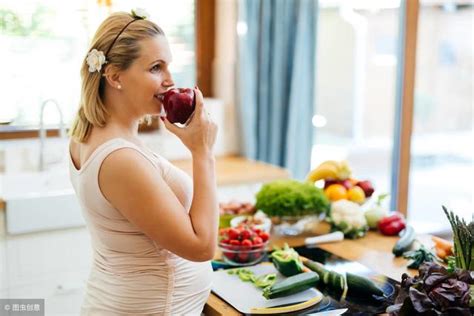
x: 265, y: 280
x: 354, y: 284
x: 247, y: 275
x: 361, y: 286
x: 287, y: 261
x: 331, y: 279
x: 291, y: 285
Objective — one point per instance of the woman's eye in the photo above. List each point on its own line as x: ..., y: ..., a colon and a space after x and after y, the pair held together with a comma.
x: 156, y: 68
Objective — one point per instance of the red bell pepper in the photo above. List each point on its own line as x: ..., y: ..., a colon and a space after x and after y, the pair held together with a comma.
x: 392, y: 225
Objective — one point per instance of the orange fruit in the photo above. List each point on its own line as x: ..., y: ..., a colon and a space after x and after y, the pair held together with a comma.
x: 336, y: 192
x: 356, y: 194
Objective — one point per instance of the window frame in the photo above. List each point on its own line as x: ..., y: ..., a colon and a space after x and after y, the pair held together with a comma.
x: 401, y: 153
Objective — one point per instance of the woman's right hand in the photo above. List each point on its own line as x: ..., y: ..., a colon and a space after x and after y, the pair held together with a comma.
x: 199, y: 135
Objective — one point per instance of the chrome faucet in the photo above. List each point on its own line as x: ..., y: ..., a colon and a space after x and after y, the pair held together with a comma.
x: 42, y: 130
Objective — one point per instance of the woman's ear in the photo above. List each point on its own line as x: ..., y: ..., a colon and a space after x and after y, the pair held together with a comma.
x: 112, y: 76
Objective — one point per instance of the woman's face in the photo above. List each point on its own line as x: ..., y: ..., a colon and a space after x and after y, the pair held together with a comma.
x: 144, y: 82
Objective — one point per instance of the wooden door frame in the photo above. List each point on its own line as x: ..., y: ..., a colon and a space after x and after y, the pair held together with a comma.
x: 403, y: 123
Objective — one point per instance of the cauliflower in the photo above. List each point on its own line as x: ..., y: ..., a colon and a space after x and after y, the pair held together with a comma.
x: 348, y: 217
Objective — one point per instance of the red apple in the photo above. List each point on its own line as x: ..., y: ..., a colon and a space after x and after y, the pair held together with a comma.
x: 328, y: 182
x: 367, y: 187
x: 179, y: 104
x: 346, y: 183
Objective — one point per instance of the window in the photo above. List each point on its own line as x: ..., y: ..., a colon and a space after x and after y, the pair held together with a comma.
x: 442, y: 152
x: 356, y: 76
x: 357, y: 60
x: 43, y: 44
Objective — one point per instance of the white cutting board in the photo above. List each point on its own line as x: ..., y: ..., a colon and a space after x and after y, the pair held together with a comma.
x: 247, y: 298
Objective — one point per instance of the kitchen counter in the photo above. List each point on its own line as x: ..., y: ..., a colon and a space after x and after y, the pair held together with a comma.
x: 234, y: 170
x: 374, y: 251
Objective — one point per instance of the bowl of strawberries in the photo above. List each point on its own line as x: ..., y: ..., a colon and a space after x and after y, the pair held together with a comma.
x: 242, y: 245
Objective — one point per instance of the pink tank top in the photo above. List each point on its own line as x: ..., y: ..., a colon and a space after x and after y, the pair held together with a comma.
x: 131, y: 274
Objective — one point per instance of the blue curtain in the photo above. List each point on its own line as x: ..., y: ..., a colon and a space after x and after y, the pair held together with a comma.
x: 276, y: 81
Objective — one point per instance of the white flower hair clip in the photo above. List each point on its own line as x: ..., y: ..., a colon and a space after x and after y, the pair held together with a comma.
x: 95, y: 59
x: 140, y: 13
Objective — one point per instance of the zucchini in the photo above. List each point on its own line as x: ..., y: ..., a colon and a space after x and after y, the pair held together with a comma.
x: 291, y: 285
x: 331, y: 279
x: 361, y: 286
x: 404, y: 243
x: 316, y: 267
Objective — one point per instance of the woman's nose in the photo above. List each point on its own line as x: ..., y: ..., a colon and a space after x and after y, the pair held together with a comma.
x: 168, y: 82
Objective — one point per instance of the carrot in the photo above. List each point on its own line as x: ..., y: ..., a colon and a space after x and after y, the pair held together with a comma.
x: 441, y: 243
x: 441, y: 253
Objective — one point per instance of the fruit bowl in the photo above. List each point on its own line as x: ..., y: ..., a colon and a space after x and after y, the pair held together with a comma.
x: 243, y: 245
x: 242, y: 255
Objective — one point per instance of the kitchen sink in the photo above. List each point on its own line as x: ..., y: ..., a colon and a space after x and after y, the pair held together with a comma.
x: 39, y: 201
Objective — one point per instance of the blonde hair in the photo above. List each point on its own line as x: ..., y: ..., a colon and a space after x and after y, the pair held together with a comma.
x: 122, y: 52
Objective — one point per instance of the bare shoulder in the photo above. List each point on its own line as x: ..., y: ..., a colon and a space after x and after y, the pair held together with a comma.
x: 124, y: 162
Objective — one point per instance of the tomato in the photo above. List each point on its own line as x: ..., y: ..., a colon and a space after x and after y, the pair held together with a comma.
x: 257, y: 241
x: 233, y: 234
x: 243, y: 257
x: 257, y: 230
x: 245, y: 234
x: 264, y: 236
x: 234, y: 244
x: 257, y: 255
x: 225, y: 241
x: 246, y: 244
x: 229, y: 255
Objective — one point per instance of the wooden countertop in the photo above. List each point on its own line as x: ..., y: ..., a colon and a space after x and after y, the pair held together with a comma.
x: 232, y: 170
x: 374, y: 251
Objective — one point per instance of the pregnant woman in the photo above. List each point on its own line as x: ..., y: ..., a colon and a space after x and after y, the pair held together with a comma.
x: 153, y: 229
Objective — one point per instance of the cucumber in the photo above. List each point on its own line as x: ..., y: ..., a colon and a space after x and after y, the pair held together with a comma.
x: 337, y: 282
x: 361, y: 286
x: 405, y: 241
x: 326, y: 276
x: 291, y: 285
x: 331, y: 279
x: 316, y: 267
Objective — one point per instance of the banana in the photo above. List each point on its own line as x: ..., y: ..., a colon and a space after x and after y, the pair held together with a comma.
x: 330, y: 169
x: 345, y: 171
x: 324, y: 172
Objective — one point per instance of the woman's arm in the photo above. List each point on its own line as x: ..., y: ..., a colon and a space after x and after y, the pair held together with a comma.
x: 130, y: 183
x: 133, y: 186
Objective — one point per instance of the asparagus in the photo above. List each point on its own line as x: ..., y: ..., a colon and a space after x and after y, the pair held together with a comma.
x: 463, y: 236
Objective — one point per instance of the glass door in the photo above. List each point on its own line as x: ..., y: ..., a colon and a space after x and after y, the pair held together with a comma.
x: 442, y: 142
x: 356, y: 87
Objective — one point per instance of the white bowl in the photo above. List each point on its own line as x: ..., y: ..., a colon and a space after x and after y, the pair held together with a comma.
x: 265, y: 226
